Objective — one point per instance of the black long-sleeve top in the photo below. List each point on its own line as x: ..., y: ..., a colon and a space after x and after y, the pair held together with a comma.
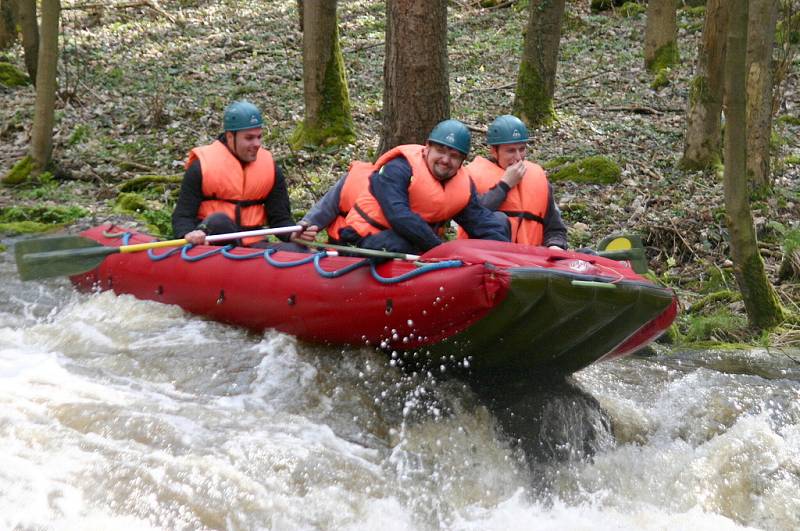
x: 184, y: 217
x: 390, y: 188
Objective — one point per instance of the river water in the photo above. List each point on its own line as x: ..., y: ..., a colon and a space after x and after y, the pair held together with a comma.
x: 123, y: 414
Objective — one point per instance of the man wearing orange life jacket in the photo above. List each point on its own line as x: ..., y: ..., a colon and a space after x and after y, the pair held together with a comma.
x: 414, y: 191
x: 233, y: 184
x: 519, y: 189
x: 331, y: 211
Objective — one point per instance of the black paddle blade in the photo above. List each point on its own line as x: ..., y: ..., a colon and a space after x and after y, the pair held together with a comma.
x: 58, y: 256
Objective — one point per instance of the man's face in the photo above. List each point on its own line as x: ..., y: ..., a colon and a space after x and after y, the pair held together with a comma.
x: 245, y: 143
x: 443, y: 161
x: 508, y: 154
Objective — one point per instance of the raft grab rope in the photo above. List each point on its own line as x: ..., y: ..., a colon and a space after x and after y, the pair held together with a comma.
x: 316, y: 258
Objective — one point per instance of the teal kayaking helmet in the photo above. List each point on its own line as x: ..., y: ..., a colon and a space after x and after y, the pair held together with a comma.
x: 241, y: 115
x: 506, y: 129
x: 453, y: 134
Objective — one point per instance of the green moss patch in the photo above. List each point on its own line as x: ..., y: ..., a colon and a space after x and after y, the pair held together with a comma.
x: 722, y: 325
x: 20, y: 172
x: 11, y: 76
x: 143, y: 182
x: 594, y: 170
x: 129, y: 202
x: 665, y: 57
x: 49, y: 215
x: 632, y: 9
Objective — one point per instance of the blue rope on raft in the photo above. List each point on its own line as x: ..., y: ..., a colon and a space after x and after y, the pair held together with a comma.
x: 316, y: 258
x: 447, y: 264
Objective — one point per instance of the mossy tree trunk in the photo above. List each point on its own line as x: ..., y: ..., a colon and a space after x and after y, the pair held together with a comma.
x: 416, y: 94
x: 328, y: 120
x: 760, y: 39
x: 702, y: 146
x: 8, y: 23
x: 30, y: 35
x: 661, y: 35
x: 761, y: 303
x: 536, y: 81
x: 44, y: 112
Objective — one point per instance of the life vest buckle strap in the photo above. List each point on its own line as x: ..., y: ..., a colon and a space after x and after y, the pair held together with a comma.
x: 368, y: 219
x: 527, y: 216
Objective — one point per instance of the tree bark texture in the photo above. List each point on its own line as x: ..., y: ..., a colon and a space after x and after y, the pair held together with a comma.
x: 661, y: 35
x: 761, y: 303
x: 30, y: 35
x: 763, y: 18
x: 328, y: 120
x: 702, y: 147
x: 44, y: 111
x: 416, y: 93
x: 536, y: 80
x: 8, y: 23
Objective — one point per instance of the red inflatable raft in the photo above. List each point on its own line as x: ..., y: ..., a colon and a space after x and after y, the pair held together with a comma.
x: 489, y: 305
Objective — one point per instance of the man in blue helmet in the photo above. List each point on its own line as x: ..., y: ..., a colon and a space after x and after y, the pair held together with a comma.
x: 413, y: 193
x: 509, y: 184
x: 232, y: 184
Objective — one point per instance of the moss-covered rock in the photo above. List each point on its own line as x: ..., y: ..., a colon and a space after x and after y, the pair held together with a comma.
x: 594, y: 170
x: 11, y: 76
x: 129, y: 202
x: 19, y: 172
x: 3, y: 248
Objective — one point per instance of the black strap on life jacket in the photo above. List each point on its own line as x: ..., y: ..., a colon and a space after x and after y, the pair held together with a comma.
x: 527, y: 216
x: 239, y: 203
x: 368, y: 219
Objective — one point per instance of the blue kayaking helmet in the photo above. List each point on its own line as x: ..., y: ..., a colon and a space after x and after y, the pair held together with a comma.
x: 241, y: 115
x: 506, y: 129
x: 453, y: 134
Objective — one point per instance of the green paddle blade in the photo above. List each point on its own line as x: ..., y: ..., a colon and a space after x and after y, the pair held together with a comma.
x: 58, y: 256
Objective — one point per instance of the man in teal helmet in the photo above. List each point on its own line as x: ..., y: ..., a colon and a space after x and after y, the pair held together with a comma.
x: 414, y: 191
x: 232, y: 184
x: 518, y: 189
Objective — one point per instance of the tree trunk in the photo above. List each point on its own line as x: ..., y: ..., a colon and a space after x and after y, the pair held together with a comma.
x: 44, y: 112
x: 661, y: 35
x: 328, y: 120
x: 702, y: 148
x: 761, y: 303
x: 416, y: 93
x: 536, y: 81
x: 760, y: 39
x: 8, y: 23
x: 30, y: 35
x: 300, y: 12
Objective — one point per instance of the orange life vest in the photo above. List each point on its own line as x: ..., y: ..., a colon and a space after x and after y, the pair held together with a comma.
x: 233, y: 189
x: 433, y: 200
x: 526, y: 203
x: 356, y: 181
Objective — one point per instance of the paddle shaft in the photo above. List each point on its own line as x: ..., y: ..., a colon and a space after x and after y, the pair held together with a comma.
x: 71, y: 255
x: 210, y: 239
x: 358, y: 250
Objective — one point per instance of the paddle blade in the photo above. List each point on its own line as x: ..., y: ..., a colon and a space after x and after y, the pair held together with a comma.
x: 625, y: 247
x: 59, y: 256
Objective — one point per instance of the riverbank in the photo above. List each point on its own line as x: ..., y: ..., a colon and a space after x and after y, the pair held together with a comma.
x: 139, y: 87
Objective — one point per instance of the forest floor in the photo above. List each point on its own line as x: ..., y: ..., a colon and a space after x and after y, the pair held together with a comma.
x: 139, y: 86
